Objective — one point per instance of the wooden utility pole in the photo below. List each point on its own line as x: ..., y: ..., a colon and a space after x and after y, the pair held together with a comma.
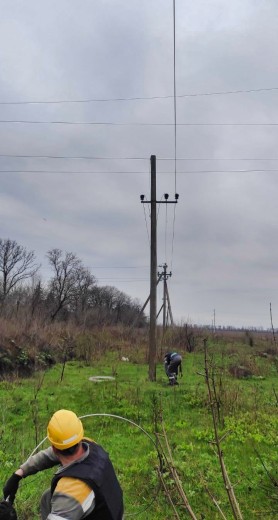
x: 153, y: 271
x: 164, y: 297
x: 153, y: 268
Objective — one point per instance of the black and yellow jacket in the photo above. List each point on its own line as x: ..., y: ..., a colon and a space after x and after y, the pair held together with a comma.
x: 86, y: 488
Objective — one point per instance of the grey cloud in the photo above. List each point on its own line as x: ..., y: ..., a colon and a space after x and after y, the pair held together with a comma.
x: 225, y: 253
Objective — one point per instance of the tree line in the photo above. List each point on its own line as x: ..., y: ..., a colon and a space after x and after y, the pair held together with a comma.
x: 71, y: 293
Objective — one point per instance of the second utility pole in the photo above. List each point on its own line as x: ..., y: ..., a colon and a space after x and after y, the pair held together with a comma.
x: 153, y: 275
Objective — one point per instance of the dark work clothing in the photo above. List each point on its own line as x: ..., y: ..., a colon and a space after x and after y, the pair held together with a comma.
x: 172, y: 363
x: 7, y: 511
x: 97, y: 471
x: 74, y: 497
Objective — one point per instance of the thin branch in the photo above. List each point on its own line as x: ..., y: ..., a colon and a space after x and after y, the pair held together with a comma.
x: 228, y: 486
x: 276, y: 395
x: 215, y: 501
x: 176, y: 477
x: 168, y: 462
x: 271, y: 478
x: 168, y: 494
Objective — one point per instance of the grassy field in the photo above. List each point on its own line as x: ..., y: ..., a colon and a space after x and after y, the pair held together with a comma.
x: 247, y: 412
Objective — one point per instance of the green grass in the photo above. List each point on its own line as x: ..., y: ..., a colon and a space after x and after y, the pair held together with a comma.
x: 249, y: 411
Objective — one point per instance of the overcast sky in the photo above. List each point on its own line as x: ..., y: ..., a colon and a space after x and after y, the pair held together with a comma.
x: 220, y: 240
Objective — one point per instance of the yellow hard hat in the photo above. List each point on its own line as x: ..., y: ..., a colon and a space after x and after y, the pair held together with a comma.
x: 64, y: 429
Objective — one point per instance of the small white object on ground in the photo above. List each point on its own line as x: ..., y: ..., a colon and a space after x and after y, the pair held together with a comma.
x: 99, y: 379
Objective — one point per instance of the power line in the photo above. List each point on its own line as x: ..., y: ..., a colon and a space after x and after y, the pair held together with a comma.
x: 175, y: 134
x: 173, y: 237
x: 98, y: 158
x: 75, y: 172
x: 123, y: 279
x: 111, y: 123
x: 119, y: 267
x: 139, y: 98
x: 175, y: 99
x: 258, y: 170
x: 218, y: 158
x: 145, y: 216
x: 77, y: 157
x: 165, y: 231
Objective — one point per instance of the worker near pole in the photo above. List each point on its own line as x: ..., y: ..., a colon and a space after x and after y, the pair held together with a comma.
x: 172, y: 365
x: 85, y: 484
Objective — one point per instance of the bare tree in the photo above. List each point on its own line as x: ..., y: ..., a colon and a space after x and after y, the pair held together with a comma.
x: 16, y: 264
x: 69, y: 282
x: 36, y: 298
x: 113, y: 306
x: 84, y: 283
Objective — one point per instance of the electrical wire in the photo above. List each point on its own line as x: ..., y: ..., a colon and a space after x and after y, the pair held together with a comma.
x: 112, y: 123
x: 173, y: 237
x: 175, y: 99
x: 97, y: 158
x: 75, y: 157
x: 74, y: 172
x: 148, y: 234
x: 158, y: 210
x: 122, y: 279
x: 175, y: 129
x: 118, y: 267
x: 253, y: 170
x: 166, y: 228
x: 218, y: 158
x: 139, y: 98
x: 144, y: 208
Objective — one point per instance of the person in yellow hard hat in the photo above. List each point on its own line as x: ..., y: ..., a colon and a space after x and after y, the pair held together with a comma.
x: 85, y: 484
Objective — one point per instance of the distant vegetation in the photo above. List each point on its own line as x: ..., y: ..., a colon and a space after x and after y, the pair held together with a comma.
x: 70, y: 295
